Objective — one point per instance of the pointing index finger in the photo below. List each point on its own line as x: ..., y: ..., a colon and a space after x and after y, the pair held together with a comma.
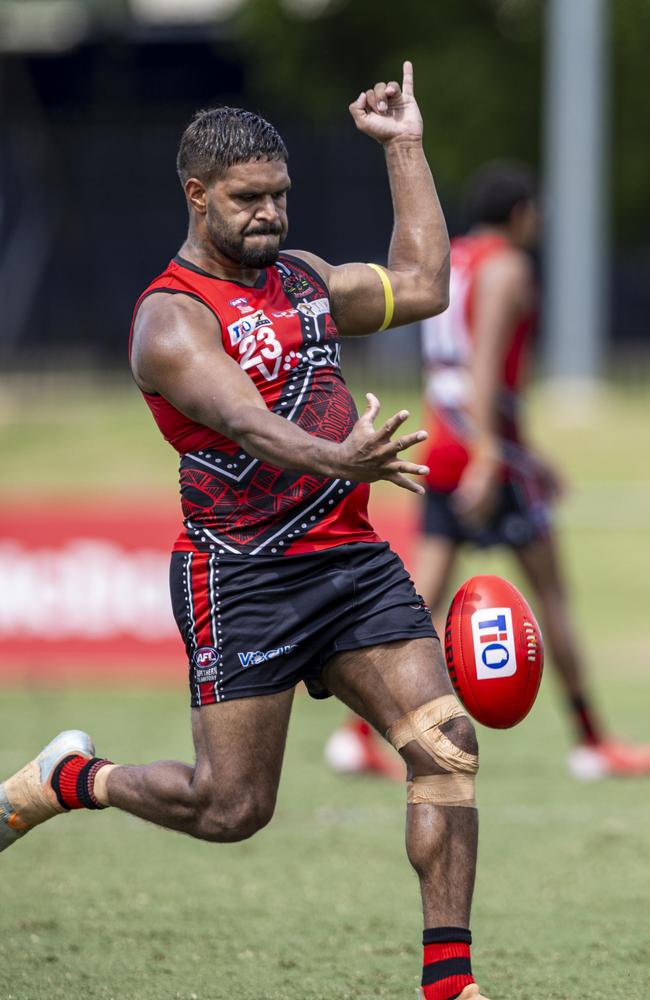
x: 407, y: 79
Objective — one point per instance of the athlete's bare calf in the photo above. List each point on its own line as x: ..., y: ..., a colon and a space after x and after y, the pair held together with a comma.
x: 231, y: 791
x: 382, y: 684
x: 230, y: 794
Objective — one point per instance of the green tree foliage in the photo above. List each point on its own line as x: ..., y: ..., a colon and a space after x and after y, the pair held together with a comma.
x: 630, y: 118
x: 478, y: 74
x: 477, y: 69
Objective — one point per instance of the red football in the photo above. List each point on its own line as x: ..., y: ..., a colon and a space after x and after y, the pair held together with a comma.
x: 494, y: 651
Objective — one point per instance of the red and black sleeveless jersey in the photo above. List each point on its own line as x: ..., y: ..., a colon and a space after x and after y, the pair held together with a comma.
x: 282, y: 335
x: 447, y: 342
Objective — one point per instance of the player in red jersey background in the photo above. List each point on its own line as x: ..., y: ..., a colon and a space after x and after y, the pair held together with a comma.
x: 486, y: 485
x: 277, y: 575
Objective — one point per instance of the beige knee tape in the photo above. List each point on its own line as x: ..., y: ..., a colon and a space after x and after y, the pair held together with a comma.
x: 456, y: 786
x: 443, y: 790
x: 423, y: 726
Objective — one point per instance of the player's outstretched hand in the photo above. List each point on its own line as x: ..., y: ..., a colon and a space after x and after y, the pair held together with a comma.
x: 369, y: 454
x: 388, y: 111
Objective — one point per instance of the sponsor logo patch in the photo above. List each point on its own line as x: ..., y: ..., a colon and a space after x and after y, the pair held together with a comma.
x: 255, y: 657
x: 317, y: 307
x: 494, y: 648
x: 249, y: 324
x: 320, y: 357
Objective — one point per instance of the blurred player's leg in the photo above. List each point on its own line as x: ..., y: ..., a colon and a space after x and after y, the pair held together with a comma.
x: 228, y: 795
x: 383, y: 684
x: 435, y: 564
x: 595, y: 755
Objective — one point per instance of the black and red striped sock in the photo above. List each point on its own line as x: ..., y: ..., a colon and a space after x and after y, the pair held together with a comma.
x: 447, y: 967
x: 589, y: 730
x: 73, y: 779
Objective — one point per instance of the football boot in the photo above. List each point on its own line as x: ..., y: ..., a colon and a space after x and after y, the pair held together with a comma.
x: 27, y: 798
x: 610, y: 758
x: 354, y: 748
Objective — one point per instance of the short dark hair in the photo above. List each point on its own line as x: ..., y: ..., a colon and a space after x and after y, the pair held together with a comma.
x: 493, y: 191
x: 217, y: 138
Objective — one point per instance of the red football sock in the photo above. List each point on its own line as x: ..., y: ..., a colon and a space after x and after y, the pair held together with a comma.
x: 73, y: 781
x: 447, y: 967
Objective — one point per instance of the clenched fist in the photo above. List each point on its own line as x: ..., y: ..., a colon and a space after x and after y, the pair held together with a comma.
x: 388, y: 112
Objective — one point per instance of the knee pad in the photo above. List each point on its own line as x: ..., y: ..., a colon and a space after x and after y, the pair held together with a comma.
x: 456, y: 787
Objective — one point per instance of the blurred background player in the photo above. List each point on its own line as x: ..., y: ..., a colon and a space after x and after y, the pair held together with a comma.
x: 486, y: 486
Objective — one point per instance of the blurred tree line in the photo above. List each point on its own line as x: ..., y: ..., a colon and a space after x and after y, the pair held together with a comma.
x: 77, y: 98
x: 479, y: 72
x: 479, y: 69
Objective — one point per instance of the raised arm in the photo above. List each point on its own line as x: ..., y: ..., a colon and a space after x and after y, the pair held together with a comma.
x: 177, y: 352
x: 418, y: 258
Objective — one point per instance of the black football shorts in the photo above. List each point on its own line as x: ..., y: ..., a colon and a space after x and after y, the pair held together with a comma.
x: 255, y: 626
x: 517, y: 520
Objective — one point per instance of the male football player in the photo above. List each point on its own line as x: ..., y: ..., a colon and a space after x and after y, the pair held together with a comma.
x: 277, y: 575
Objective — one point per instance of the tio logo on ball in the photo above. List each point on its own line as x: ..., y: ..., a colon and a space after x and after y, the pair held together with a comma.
x: 494, y: 648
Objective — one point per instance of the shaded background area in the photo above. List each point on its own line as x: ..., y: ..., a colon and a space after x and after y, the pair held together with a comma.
x: 94, y: 95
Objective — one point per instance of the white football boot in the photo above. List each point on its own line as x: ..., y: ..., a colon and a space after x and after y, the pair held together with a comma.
x: 354, y: 748
x: 609, y: 759
x: 27, y: 798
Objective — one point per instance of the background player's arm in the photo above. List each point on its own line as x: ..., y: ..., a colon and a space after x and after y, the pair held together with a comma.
x: 503, y: 293
x: 418, y: 258
x: 177, y: 352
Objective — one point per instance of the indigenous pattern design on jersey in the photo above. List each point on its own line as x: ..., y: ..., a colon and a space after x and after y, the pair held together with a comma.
x: 281, y: 333
x: 447, y: 349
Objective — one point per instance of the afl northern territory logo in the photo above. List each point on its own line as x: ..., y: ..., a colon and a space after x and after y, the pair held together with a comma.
x: 205, y: 657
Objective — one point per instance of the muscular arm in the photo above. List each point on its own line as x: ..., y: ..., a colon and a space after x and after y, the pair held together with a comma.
x: 418, y: 258
x: 503, y: 293
x: 177, y: 352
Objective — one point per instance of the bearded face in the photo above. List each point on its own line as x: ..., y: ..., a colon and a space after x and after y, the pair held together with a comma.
x: 258, y: 246
x: 246, y: 212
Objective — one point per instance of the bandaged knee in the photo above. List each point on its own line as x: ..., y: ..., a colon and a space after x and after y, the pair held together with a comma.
x: 456, y: 786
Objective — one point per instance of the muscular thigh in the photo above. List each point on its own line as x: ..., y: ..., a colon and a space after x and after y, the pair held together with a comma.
x: 386, y: 682
x: 382, y: 683
x: 240, y: 745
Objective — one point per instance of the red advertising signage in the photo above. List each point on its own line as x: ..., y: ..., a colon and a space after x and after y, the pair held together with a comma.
x: 84, y: 592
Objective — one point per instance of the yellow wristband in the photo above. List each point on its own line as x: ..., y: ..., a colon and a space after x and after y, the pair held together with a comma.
x: 389, y: 301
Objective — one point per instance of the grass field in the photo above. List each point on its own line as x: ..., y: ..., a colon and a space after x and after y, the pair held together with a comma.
x: 321, y: 905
